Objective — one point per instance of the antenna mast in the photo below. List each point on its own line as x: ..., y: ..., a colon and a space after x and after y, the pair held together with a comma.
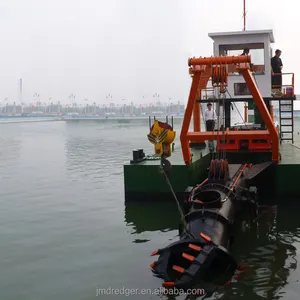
x: 244, y: 14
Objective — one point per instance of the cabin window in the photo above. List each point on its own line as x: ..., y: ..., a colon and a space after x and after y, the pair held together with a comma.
x: 255, y: 50
x: 241, y: 89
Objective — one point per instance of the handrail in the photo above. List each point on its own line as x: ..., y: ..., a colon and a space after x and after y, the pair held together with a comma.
x: 282, y: 85
x: 283, y: 74
x: 285, y: 85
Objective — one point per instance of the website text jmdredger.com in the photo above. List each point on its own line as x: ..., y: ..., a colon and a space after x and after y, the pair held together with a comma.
x: 158, y: 291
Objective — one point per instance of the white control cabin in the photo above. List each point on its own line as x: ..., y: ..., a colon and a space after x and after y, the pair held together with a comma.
x: 259, y: 43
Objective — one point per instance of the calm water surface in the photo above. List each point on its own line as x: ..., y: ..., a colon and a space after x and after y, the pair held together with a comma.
x: 65, y: 230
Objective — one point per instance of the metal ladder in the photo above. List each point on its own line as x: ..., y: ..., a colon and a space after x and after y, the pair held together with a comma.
x: 286, y: 118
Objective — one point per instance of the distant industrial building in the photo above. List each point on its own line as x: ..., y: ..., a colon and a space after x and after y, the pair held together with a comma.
x: 92, y: 109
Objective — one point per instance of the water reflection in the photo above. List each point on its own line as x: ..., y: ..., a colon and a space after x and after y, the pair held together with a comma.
x: 162, y: 216
x: 271, y: 260
x: 268, y: 248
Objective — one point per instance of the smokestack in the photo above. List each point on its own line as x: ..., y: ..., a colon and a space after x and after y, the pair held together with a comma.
x: 21, y: 90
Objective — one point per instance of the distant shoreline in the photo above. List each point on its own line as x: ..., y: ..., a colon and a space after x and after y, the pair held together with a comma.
x: 32, y: 119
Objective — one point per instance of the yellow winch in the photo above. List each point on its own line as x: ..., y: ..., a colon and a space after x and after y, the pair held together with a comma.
x: 161, y: 135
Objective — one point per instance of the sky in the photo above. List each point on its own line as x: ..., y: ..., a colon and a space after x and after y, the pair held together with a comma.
x: 129, y: 49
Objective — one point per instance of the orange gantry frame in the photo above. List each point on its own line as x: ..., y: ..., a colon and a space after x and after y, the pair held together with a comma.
x: 203, y: 69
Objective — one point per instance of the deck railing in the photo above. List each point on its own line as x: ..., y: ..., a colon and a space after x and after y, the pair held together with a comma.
x: 284, y: 90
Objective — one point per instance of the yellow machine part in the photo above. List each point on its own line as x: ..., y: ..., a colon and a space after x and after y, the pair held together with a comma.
x: 162, y: 139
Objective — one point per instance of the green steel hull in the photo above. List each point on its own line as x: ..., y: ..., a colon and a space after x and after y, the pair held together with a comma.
x: 144, y: 181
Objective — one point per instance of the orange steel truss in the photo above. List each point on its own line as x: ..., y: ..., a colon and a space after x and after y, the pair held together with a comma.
x: 202, y: 70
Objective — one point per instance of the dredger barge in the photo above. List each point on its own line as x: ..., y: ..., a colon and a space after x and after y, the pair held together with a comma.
x: 238, y: 169
x: 202, y: 255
